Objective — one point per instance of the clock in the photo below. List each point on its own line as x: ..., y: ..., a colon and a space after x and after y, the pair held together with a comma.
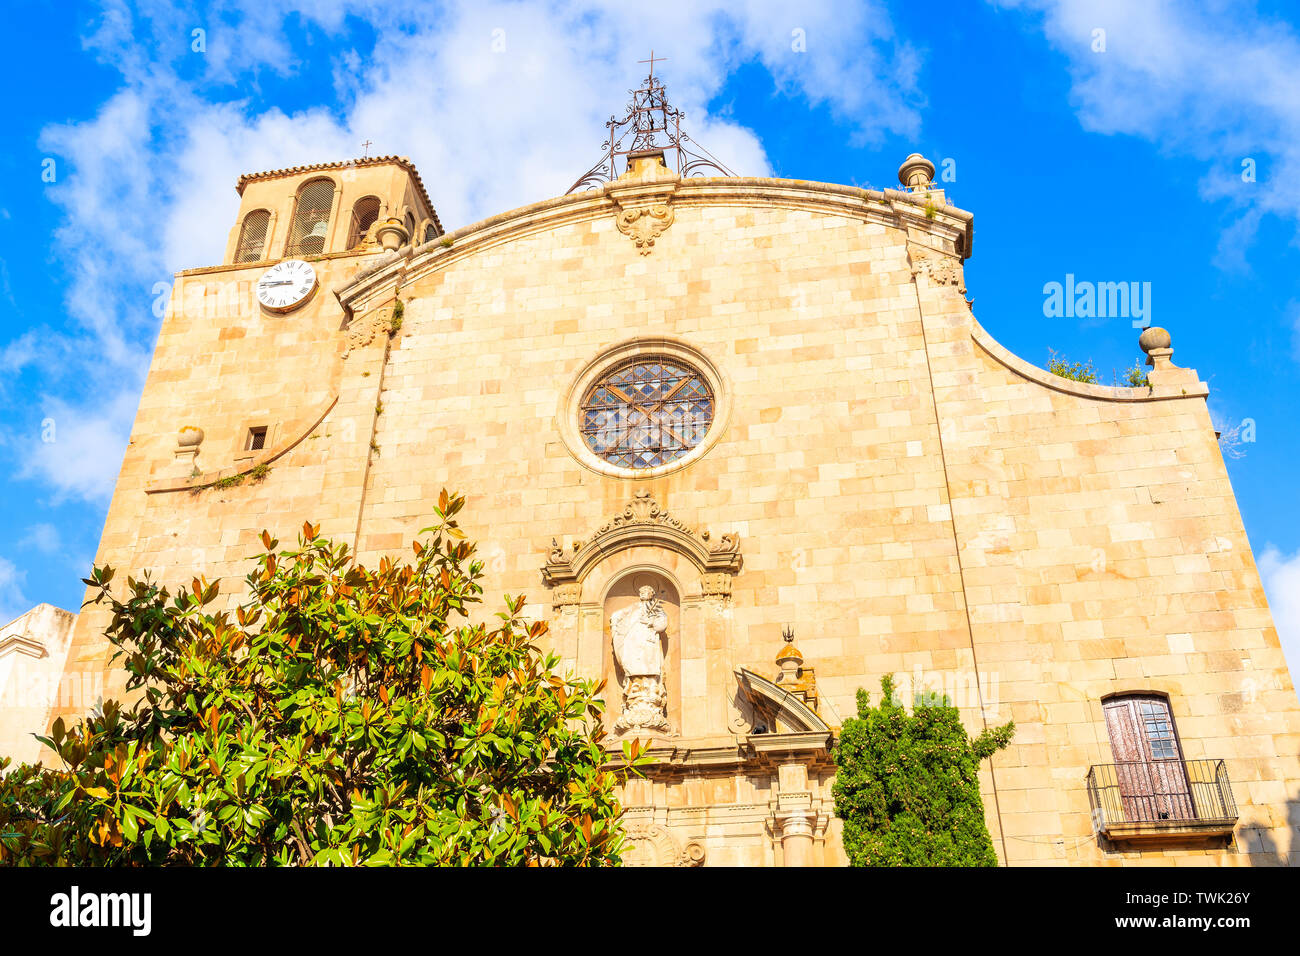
x: 286, y: 285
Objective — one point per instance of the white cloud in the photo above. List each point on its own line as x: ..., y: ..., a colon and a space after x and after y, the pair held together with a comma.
x: 1281, y: 575
x: 1214, y: 81
x: 42, y: 537
x: 78, y: 451
x: 12, y: 600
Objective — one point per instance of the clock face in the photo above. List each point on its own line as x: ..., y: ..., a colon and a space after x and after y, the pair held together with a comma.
x: 286, y: 285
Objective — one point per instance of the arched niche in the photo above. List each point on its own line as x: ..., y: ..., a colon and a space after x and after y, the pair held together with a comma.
x: 622, y: 592
x: 586, y: 573
x: 680, y: 572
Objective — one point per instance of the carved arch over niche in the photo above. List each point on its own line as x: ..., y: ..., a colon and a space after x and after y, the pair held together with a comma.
x: 643, y: 522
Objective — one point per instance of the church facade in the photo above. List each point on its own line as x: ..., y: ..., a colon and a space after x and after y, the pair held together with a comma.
x: 744, y: 445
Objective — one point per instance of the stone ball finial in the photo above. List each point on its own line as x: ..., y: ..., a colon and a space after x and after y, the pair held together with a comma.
x: 1154, y: 338
x: 916, y: 171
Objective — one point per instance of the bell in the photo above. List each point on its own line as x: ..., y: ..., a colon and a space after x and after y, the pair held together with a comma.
x: 318, y: 231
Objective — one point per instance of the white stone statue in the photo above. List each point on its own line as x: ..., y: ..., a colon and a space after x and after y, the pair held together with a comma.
x: 638, y: 633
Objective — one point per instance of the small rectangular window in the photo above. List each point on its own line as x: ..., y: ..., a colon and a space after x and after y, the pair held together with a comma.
x: 256, y: 439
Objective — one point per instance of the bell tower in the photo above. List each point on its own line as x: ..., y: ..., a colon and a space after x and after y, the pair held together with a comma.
x: 358, y: 205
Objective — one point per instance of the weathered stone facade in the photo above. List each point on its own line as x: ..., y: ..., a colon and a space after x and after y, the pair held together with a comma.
x: 33, y: 657
x: 880, y: 475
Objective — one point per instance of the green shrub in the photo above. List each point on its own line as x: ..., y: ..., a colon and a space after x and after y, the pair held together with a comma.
x: 907, y: 785
x: 1075, y: 371
x: 1135, y: 377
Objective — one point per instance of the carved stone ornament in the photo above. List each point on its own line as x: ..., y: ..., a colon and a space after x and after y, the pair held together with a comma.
x: 643, y: 522
x: 566, y: 595
x: 645, y: 224
x: 362, y: 329
x: 939, y: 268
x: 717, y: 584
x: 653, y: 845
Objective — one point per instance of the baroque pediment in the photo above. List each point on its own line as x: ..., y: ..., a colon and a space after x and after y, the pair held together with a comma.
x: 780, y: 711
x: 643, y: 521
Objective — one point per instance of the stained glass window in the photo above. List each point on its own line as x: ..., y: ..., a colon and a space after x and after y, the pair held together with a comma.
x: 647, y: 413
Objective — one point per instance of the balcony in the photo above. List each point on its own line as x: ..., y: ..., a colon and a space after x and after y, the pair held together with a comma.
x: 1162, y: 801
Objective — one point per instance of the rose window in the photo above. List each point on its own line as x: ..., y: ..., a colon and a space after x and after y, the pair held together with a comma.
x: 646, y: 413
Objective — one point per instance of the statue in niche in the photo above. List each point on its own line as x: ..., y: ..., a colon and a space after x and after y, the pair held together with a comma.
x: 638, y: 633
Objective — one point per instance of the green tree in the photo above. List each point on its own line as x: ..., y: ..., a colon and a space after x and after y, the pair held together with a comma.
x: 907, y: 786
x: 343, y: 715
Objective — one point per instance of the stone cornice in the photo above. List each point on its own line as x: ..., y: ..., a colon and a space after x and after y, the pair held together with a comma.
x: 1187, y: 384
x: 768, y: 696
x: 706, y: 756
x: 945, y: 226
x: 262, y: 264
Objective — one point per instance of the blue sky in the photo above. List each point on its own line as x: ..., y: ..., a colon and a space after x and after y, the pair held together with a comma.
x: 1113, y: 156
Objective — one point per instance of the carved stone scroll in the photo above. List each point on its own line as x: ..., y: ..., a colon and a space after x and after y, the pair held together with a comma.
x: 644, y: 522
x: 644, y: 225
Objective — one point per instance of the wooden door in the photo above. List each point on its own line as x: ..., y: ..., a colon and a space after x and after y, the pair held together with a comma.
x: 1152, y: 780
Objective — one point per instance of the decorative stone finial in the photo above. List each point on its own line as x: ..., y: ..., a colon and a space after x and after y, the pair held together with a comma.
x: 916, y: 171
x: 1157, y: 342
x: 1154, y: 338
x: 788, y: 658
x: 793, y: 676
x: 392, y: 235
x: 188, y: 440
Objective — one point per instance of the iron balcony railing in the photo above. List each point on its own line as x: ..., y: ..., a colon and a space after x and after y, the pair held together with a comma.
x: 1163, y: 793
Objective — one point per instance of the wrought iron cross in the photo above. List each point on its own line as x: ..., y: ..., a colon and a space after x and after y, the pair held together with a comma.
x: 649, y: 117
x: 367, y: 144
x: 651, y: 61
